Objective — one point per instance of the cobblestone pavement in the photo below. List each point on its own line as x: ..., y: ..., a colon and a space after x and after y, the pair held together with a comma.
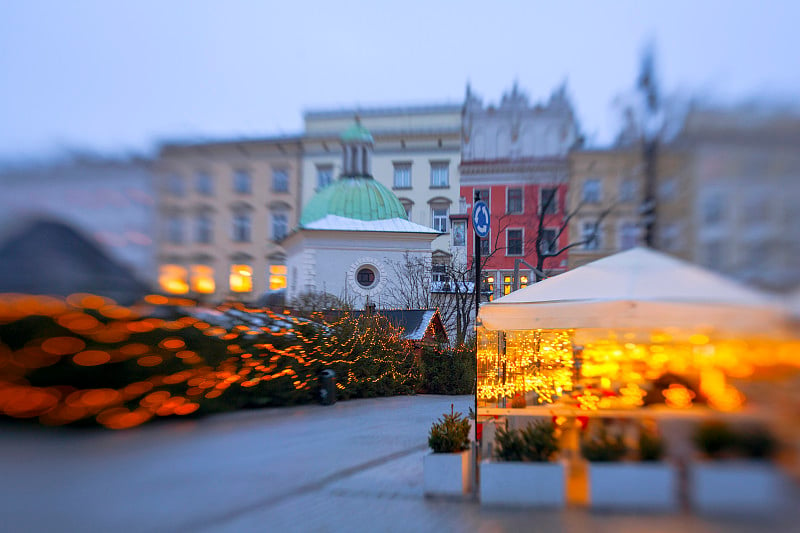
x: 353, y: 466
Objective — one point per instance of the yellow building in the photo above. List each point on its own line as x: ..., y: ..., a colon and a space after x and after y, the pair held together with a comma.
x: 223, y: 209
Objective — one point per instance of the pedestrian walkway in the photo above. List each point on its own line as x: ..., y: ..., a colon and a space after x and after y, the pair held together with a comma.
x: 352, y: 466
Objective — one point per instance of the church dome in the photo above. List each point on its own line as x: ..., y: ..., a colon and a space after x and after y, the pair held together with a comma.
x: 359, y: 197
x: 357, y: 133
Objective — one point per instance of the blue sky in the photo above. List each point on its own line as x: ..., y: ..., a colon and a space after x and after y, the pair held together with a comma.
x: 118, y: 76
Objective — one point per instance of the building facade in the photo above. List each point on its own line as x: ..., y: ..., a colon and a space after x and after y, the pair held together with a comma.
x: 416, y: 155
x: 515, y: 156
x: 740, y: 188
x: 111, y: 201
x: 352, y: 234
x: 223, y: 210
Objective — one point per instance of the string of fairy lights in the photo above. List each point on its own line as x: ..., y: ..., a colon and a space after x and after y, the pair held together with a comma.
x: 545, y: 367
x: 172, y: 370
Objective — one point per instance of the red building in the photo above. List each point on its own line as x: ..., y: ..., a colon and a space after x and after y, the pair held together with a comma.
x: 527, y: 202
x: 515, y: 154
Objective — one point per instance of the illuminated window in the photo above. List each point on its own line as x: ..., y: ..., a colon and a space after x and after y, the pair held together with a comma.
x: 523, y: 281
x: 507, y: 285
x: 172, y: 279
x: 277, y: 277
x: 241, y: 279
x: 203, y: 279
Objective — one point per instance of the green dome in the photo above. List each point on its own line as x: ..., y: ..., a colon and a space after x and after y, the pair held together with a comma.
x: 357, y: 133
x: 359, y: 197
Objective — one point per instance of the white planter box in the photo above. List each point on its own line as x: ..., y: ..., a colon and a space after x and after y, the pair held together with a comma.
x: 635, y: 486
x: 735, y: 486
x: 522, y: 484
x: 447, y: 474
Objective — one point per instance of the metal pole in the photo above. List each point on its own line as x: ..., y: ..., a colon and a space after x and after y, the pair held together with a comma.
x: 477, y: 264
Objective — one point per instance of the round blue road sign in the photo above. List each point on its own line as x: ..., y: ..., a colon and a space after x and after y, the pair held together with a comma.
x: 480, y: 219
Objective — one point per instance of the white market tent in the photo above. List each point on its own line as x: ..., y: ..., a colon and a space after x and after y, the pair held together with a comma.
x: 639, y: 289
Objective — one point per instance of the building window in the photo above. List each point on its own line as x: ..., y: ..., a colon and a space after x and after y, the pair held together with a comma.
x: 591, y: 191
x: 241, y: 227
x: 204, y: 229
x: 440, y: 174
x: 484, y: 194
x: 628, y: 235
x: 485, y: 251
x: 488, y: 286
x: 713, y: 209
x: 366, y: 277
x: 407, y: 204
x: 514, y: 242
x: 548, y: 200
x: 203, y: 183
x: 280, y: 226
x: 203, y: 279
x: 402, y: 176
x: 439, y: 274
x: 277, y: 277
x: 324, y: 176
x: 548, y: 242
x: 627, y: 190
x: 523, y: 281
x: 507, y: 284
x: 241, y: 278
x: 242, y: 182
x: 670, y: 235
x: 439, y: 216
x: 175, y: 185
x: 668, y: 190
x: 590, y: 235
x: 175, y: 229
x: 514, y: 201
x: 459, y: 233
x: 280, y: 180
x: 172, y: 279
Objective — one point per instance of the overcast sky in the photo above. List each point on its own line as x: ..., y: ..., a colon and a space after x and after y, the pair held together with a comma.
x: 119, y: 76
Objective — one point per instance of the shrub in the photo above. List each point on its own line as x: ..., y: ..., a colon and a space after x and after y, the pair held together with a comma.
x: 756, y: 443
x: 603, y: 447
x: 449, y: 434
x: 714, y: 439
x: 535, y: 443
x: 448, y: 370
x: 651, y: 446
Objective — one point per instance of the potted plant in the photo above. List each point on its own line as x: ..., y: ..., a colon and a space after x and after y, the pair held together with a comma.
x: 523, y: 472
x: 622, y: 478
x: 734, y: 473
x: 447, y: 469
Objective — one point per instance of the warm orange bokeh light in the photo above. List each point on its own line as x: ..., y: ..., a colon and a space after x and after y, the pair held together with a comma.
x: 172, y: 343
x: 150, y: 360
x: 63, y: 345
x: 91, y: 358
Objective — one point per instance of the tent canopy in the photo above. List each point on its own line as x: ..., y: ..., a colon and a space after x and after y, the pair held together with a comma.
x: 638, y: 289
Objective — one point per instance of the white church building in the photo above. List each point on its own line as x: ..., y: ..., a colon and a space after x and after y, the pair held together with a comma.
x: 352, y: 233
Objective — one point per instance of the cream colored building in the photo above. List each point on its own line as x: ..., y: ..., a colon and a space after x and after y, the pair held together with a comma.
x: 223, y: 208
x: 608, y: 186
x: 416, y: 155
